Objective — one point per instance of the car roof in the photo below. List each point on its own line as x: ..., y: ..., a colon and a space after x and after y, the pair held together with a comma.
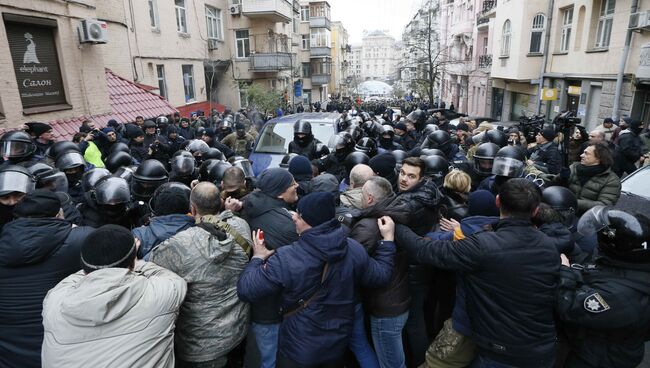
x: 312, y: 117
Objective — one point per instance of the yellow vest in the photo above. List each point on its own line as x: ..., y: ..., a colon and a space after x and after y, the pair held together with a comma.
x: 93, y: 155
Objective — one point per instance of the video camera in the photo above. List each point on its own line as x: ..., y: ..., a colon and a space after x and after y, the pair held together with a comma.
x: 529, y: 126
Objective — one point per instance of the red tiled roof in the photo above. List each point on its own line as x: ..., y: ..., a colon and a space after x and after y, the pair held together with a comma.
x: 204, y: 106
x: 128, y: 100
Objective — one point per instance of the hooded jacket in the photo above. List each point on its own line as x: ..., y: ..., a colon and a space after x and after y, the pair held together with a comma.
x: 35, y: 254
x: 319, y: 332
x: 113, y: 317
x: 212, y: 320
x: 160, y: 229
x: 351, y: 198
x: 272, y: 216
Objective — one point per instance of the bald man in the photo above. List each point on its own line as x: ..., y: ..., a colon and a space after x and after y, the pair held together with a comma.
x: 359, y: 175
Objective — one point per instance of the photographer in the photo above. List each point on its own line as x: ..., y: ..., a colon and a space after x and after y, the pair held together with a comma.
x: 89, y: 149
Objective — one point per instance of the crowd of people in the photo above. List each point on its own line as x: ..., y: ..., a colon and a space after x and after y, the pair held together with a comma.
x: 405, y: 240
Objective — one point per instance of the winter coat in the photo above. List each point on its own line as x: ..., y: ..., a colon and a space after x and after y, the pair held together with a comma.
x: 603, y: 308
x: 140, y: 152
x: 319, y: 332
x: 188, y: 133
x: 547, y: 158
x: 511, y: 317
x: 160, y: 228
x: 602, y: 189
x: 417, y: 207
x: 212, y: 319
x: 393, y: 299
x: 351, y: 198
x: 113, y: 317
x: 629, y: 150
x: 35, y: 254
x: 454, y: 205
x: 273, y: 217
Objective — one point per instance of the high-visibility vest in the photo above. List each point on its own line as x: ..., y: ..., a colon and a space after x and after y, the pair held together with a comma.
x: 93, y: 155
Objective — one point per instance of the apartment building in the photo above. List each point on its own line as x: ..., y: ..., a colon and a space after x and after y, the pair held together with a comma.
x: 576, y: 48
x: 379, y: 56
x: 341, y: 50
x: 315, y: 56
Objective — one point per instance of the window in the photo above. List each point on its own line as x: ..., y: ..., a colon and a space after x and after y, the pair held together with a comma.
x: 181, y: 16
x: 214, y: 22
x: 320, y: 37
x: 304, y: 42
x: 605, y: 22
x: 304, y: 13
x: 162, y: 85
x: 567, y: 21
x: 153, y: 14
x: 537, y: 34
x: 188, y: 82
x: 505, y: 38
x: 295, y: 25
x: 306, y: 70
x: 242, y: 43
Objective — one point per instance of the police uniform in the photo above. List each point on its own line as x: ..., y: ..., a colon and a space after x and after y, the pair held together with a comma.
x: 604, y: 308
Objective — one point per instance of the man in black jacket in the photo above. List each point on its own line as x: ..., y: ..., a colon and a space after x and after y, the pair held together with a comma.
x: 37, y: 250
x: 268, y: 209
x: 510, y: 275
x: 388, y: 306
x: 629, y: 149
x: 546, y: 155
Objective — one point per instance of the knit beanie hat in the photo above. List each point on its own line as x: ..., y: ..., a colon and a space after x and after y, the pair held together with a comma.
x: 37, y: 128
x: 548, y: 134
x: 317, y: 208
x: 400, y: 126
x: 462, y: 126
x: 108, y: 246
x: 108, y: 130
x: 482, y: 203
x: 383, y: 164
x: 300, y: 167
x: 274, y: 182
x: 41, y: 203
x: 135, y: 132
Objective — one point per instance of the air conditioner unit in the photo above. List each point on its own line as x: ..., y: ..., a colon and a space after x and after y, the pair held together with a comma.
x: 640, y: 20
x: 93, y: 31
x: 213, y: 44
x: 235, y: 9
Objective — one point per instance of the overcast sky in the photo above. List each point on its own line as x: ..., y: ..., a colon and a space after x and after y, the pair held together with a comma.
x: 357, y: 15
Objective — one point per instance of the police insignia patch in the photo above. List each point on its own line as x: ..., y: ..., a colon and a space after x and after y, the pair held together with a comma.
x: 595, y: 303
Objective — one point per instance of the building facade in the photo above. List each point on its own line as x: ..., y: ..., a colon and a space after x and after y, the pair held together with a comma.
x: 341, y: 50
x: 315, y: 57
x: 379, y: 56
x: 575, y: 49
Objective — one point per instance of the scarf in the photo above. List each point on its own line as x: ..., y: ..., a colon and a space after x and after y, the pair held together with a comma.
x: 587, y: 172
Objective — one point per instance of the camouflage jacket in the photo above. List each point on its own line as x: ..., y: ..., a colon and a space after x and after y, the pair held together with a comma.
x: 212, y: 320
x: 241, y: 146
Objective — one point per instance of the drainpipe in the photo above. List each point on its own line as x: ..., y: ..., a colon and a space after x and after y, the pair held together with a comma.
x: 621, y: 66
x: 547, y: 40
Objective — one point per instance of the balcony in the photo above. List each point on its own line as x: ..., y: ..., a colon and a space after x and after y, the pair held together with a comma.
x: 318, y: 52
x: 485, y: 62
x: 320, y: 79
x: 482, y: 22
x: 273, y: 10
x: 319, y: 22
x: 270, y: 53
x: 489, y: 7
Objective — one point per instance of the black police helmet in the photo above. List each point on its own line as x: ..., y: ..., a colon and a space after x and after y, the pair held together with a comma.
x: 111, y: 190
x: 213, y: 153
x: 435, y: 166
x: 301, y: 126
x: 400, y: 156
x: 367, y: 146
x: 91, y: 177
x: 438, y: 139
x: 60, y: 147
x: 116, y: 160
x: 17, y: 144
x: 432, y: 152
x: 509, y: 162
x: 119, y: 147
x: 560, y: 198
x: 484, y: 157
x: 497, y: 137
x: 287, y: 159
x: 355, y: 158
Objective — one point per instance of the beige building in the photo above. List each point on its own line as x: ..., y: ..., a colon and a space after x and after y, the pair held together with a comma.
x: 341, y: 50
x: 580, y: 46
x: 379, y: 57
x: 315, y: 56
x: 45, y: 73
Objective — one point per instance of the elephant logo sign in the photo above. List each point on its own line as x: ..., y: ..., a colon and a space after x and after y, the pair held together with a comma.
x: 30, y: 54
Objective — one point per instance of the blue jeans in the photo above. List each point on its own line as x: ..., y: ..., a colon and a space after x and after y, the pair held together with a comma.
x: 359, y: 342
x: 266, y: 337
x: 483, y: 362
x: 387, y: 337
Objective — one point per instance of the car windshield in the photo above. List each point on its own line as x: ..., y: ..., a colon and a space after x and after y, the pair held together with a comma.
x: 275, y: 138
x: 637, y: 183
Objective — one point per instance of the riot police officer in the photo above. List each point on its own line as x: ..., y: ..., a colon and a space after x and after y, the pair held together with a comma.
x: 15, y: 182
x: 183, y: 168
x: 17, y: 146
x: 304, y: 143
x: 73, y: 165
x: 603, y: 306
x: 334, y: 162
x: 108, y: 203
x: 147, y: 178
